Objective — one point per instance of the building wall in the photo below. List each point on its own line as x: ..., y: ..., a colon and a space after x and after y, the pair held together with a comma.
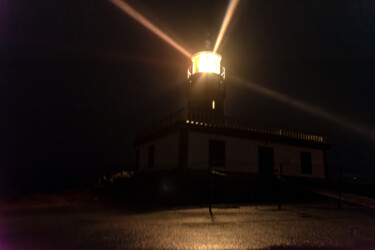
x: 165, y: 154
x: 242, y: 155
x: 290, y: 158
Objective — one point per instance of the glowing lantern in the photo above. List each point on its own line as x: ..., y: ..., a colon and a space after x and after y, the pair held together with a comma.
x: 206, y: 62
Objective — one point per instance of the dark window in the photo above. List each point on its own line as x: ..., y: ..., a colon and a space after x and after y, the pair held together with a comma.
x: 306, y: 166
x: 265, y: 161
x: 137, y: 159
x: 217, y: 153
x: 151, y: 156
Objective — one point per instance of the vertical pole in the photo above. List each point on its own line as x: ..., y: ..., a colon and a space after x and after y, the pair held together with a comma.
x: 280, y: 186
x: 211, y: 191
x: 256, y: 192
x: 339, y: 201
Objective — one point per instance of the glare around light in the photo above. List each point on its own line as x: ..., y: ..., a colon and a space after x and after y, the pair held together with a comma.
x: 367, y: 131
x: 206, y: 62
x: 149, y: 25
x: 226, y: 21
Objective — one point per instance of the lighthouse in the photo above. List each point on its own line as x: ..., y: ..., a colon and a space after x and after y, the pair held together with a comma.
x: 206, y: 89
x: 181, y: 148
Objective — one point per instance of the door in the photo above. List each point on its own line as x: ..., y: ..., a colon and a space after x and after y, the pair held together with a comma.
x: 265, y: 157
x: 217, y: 154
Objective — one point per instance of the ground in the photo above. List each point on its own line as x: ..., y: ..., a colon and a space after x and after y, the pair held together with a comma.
x: 107, y: 226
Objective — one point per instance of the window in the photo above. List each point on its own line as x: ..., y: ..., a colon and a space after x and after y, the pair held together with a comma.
x: 137, y: 159
x: 217, y: 153
x: 151, y: 156
x: 266, y: 162
x: 306, y: 166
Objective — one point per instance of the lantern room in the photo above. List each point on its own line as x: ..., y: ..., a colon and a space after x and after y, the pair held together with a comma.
x: 206, y: 90
x: 206, y: 62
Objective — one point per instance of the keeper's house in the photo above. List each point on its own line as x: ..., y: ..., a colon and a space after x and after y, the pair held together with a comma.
x: 200, y: 137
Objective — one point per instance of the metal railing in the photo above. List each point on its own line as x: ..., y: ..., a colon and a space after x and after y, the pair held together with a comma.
x: 209, y: 120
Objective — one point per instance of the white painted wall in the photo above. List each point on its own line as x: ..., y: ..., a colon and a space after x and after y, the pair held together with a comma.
x: 242, y: 155
x: 198, y: 150
x: 166, y: 153
x: 290, y: 157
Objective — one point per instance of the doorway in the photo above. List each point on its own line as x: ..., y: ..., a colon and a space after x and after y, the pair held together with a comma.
x: 265, y: 156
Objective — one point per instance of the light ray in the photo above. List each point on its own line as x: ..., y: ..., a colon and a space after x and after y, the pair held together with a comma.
x: 224, y: 25
x: 150, y: 26
x: 347, y: 124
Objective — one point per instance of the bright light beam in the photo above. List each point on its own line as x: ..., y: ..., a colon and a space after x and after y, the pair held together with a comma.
x: 150, y: 26
x: 224, y: 25
x: 368, y: 132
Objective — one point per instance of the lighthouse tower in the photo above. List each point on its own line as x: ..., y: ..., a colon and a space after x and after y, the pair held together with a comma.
x: 180, y: 148
x: 206, y: 89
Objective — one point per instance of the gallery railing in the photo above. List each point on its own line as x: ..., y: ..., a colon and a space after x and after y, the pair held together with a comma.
x: 209, y: 120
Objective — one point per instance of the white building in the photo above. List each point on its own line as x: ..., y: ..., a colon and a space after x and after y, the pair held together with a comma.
x: 200, y: 137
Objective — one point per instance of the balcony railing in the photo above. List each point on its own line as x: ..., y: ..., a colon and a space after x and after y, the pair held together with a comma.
x: 208, y: 120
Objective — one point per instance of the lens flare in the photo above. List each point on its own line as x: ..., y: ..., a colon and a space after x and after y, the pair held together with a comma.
x: 206, y: 61
x: 366, y: 131
x: 224, y: 25
x: 150, y: 26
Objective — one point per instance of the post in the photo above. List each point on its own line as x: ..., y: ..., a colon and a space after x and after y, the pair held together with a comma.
x: 339, y: 187
x: 280, y: 186
x: 211, y: 190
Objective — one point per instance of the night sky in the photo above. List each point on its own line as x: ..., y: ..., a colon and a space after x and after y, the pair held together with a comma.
x: 79, y: 78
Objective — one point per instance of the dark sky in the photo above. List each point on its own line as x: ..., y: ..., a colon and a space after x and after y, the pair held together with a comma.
x: 79, y: 78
